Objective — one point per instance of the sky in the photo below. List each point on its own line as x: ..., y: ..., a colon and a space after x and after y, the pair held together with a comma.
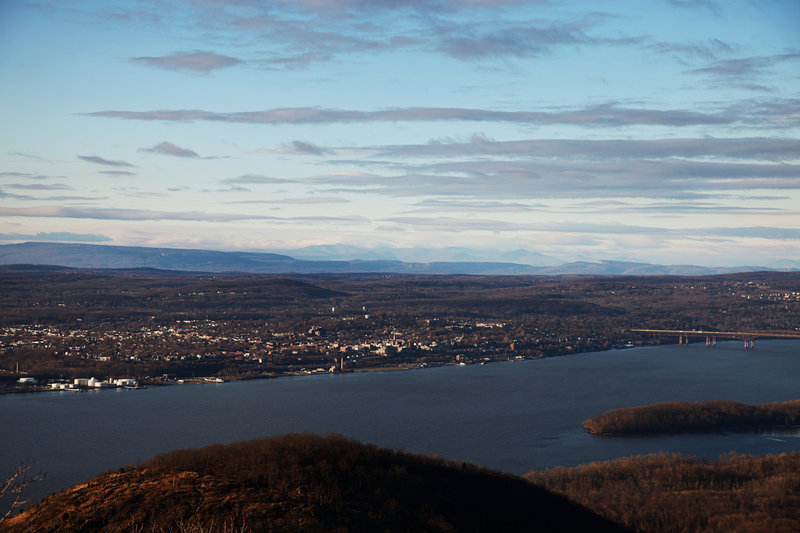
x: 661, y: 131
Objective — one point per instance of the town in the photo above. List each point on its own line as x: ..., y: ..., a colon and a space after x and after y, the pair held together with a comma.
x: 159, y: 328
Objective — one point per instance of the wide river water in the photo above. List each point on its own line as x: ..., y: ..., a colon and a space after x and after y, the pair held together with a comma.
x: 514, y: 417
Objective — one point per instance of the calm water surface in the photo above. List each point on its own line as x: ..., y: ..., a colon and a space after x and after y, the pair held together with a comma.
x: 514, y: 417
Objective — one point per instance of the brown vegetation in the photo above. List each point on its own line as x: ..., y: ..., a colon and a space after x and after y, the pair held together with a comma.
x: 674, y: 493
x: 681, y: 417
x: 305, y: 483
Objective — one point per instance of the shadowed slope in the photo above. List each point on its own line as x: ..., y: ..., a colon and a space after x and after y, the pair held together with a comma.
x: 674, y: 493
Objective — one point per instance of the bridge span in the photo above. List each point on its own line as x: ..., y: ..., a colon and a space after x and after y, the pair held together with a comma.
x: 749, y: 337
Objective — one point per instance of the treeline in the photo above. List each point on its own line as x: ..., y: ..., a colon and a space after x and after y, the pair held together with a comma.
x: 668, y: 493
x: 579, y: 306
x: 39, y: 363
x: 682, y: 417
x: 306, y: 483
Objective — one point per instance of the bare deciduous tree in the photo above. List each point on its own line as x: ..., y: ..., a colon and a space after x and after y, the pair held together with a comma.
x: 12, y: 488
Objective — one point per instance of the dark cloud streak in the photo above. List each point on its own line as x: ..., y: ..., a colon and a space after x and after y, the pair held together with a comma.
x: 167, y: 148
x: 101, y: 161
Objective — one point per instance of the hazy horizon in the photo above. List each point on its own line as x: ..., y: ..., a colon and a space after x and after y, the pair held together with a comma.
x: 663, y: 132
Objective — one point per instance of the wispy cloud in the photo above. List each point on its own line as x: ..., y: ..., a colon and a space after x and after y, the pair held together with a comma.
x: 117, y: 172
x: 121, y: 214
x: 532, y: 39
x: 167, y: 148
x: 307, y: 200
x: 101, y: 161
x: 745, y: 66
x: 711, y: 49
x: 297, y: 148
x: 26, y: 175
x: 561, y: 178
x: 147, y: 214
x: 440, y: 204
x: 254, y: 179
x: 709, y: 5
x: 196, y: 61
x: 773, y: 149
x: 56, y: 237
x: 459, y: 225
x: 38, y: 186
x: 610, y: 114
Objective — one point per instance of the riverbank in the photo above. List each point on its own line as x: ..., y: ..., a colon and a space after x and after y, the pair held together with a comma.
x: 9, y: 384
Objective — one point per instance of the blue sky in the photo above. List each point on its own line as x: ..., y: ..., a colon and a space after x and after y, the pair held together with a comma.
x: 659, y: 131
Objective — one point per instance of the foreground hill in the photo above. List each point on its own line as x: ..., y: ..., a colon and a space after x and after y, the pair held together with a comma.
x: 305, y: 483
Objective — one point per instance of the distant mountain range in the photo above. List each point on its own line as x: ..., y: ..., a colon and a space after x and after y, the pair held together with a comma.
x: 105, y: 256
x: 340, y: 252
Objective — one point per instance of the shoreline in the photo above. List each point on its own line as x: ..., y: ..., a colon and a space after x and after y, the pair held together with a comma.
x: 144, y: 383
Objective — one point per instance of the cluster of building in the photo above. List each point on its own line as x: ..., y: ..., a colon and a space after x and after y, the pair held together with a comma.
x: 84, y: 383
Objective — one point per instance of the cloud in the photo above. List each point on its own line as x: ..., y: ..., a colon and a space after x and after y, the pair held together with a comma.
x: 56, y: 237
x: 167, y: 148
x: 26, y: 175
x: 458, y: 225
x: 309, y: 200
x: 517, y: 41
x: 197, y: 61
x: 100, y: 161
x: 147, y: 214
x: 38, y: 186
x: 28, y: 156
x: 120, y: 214
x: 254, y: 179
x: 294, y: 62
x: 298, y: 148
x: 13, y: 196
x: 748, y: 73
x: 608, y: 114
x: 708, y: 50
x: 710, y: 5
x: 745, y: 67
x: 117, y: 172
x: 500, y: 179
x: 438, y: 205
x: 773, y: 149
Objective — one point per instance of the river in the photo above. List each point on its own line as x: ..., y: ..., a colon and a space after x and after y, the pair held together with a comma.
x: 514, y: 417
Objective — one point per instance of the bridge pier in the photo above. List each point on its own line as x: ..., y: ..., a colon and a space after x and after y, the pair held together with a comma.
x: 749, y: 344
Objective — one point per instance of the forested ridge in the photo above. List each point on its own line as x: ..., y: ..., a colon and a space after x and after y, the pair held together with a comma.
x: 681, y: 417
x: 671, y: 493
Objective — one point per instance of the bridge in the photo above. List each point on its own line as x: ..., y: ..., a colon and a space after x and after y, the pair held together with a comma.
x: 749, y: 337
